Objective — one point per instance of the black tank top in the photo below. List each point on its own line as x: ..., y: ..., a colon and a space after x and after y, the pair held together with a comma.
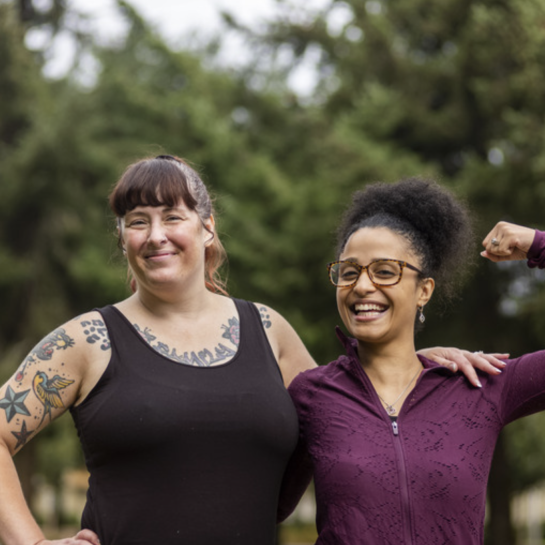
x: 181, y: 454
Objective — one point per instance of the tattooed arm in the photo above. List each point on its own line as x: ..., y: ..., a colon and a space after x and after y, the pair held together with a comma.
x: 290, y: 352
x: 57, y: 373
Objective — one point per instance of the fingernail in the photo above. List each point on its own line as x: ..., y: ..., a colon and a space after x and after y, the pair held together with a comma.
x: 479, y: 385
x: 453, y: 367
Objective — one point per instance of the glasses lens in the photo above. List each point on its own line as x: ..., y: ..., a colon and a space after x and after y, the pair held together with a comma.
x: 385, y: 273
x: 344, y: 274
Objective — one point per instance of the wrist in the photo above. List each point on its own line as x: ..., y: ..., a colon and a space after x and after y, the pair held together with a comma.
x: 536, y: 253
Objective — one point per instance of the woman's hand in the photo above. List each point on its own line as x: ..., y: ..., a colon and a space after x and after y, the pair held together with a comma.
x: 466, y: 361
x: 508, y: 242
x: 83, y: 537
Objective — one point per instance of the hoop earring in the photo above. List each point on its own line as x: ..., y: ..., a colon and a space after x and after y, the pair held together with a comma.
x: 421, y: 317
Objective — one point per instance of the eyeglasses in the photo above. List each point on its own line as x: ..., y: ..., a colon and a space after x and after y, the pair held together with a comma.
x: 381, y: 272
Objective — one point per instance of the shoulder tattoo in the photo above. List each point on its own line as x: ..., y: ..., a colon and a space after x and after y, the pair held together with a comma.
x: 96, y: 332
x: 43, y: 351
x: 265, y: 317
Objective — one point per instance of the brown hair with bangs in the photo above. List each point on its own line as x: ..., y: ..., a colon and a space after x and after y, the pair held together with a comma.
x: 164, y: 181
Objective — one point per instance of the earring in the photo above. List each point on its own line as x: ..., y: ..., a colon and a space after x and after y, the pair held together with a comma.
x: 421, y: 316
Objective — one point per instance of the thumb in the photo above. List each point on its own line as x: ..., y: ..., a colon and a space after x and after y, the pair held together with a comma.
x: 88, y: 535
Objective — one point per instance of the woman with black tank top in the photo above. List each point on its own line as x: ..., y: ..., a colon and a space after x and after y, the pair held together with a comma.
x: 178, y: 392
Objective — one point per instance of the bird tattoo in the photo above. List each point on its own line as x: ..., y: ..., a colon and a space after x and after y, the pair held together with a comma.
x: 47, y: 391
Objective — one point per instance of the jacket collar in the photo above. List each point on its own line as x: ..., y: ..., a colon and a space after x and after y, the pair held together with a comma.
x: 351, y: 347
x: 350, y: 344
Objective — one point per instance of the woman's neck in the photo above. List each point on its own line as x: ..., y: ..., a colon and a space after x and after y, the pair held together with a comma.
x: 393, y: 371
x: 389, y: 365
x: 166, y: 303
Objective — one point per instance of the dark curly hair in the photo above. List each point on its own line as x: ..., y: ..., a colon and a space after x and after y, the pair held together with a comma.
x: 436, y: 224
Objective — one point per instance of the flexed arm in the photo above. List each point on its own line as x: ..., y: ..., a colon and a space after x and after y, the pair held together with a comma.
x: 524, y: 388
x: 510, y: 242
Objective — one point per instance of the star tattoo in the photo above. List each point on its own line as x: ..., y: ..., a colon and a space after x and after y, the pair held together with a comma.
x: 22, y: 435
x: 13, y: 403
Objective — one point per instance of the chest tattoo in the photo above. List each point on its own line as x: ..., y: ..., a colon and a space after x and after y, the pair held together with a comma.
x: 201, y: 358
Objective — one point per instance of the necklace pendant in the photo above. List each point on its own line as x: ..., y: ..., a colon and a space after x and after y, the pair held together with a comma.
x: 390, y: 410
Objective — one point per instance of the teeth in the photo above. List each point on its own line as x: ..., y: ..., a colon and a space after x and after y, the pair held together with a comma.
x: 368, y: 308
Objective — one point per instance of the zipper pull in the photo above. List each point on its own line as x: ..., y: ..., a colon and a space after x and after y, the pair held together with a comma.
x: 395, y: 427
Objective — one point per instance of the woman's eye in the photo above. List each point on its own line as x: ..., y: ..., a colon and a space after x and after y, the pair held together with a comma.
x: 135, y: 223
x: 348, y: 274
x: 384, y: 272
x: 174, y: 218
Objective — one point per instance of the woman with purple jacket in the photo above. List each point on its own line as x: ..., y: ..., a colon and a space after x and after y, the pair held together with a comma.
x: 400, y: 448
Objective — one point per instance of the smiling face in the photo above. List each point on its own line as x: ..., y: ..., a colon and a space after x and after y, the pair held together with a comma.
x: 165, y: 245
x: 374, y: 314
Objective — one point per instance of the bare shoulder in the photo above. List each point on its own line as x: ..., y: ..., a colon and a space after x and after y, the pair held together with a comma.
x: 93, y: 340
x: 290, y: 352
x: 50, y: 379
x: 91, y: 330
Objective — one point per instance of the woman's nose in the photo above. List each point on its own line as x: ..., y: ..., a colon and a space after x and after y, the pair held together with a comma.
x: 157, y: 233
x: 364, y: 284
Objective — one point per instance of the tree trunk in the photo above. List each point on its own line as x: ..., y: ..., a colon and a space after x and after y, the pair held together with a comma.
x: 26, y: 10
x: 500, y: 530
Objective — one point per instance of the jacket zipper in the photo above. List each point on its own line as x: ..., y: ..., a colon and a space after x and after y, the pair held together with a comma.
x: 400, y: 458
x: 404, y: 489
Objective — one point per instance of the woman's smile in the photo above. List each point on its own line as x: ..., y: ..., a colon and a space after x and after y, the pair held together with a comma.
x: 369, y: 310
x: 161, y: 255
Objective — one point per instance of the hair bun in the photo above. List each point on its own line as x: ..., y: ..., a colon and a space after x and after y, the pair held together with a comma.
x: 435, y: 222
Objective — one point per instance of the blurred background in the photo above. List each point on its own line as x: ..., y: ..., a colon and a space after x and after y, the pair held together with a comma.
x: 286, y: 108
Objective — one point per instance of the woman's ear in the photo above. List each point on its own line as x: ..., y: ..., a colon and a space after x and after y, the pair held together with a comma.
x: 210, y: 227
x: 427, y: 286
x: 119, y: 231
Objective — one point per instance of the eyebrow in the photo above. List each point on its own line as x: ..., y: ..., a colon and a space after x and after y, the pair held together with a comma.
x: 355, y: 259
x: 182, y: 208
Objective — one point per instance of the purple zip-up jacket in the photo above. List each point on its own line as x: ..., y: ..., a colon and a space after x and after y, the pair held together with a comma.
x: 418, y: 481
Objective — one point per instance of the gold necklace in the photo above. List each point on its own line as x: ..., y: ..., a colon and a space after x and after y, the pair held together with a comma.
x: 390, y: 409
